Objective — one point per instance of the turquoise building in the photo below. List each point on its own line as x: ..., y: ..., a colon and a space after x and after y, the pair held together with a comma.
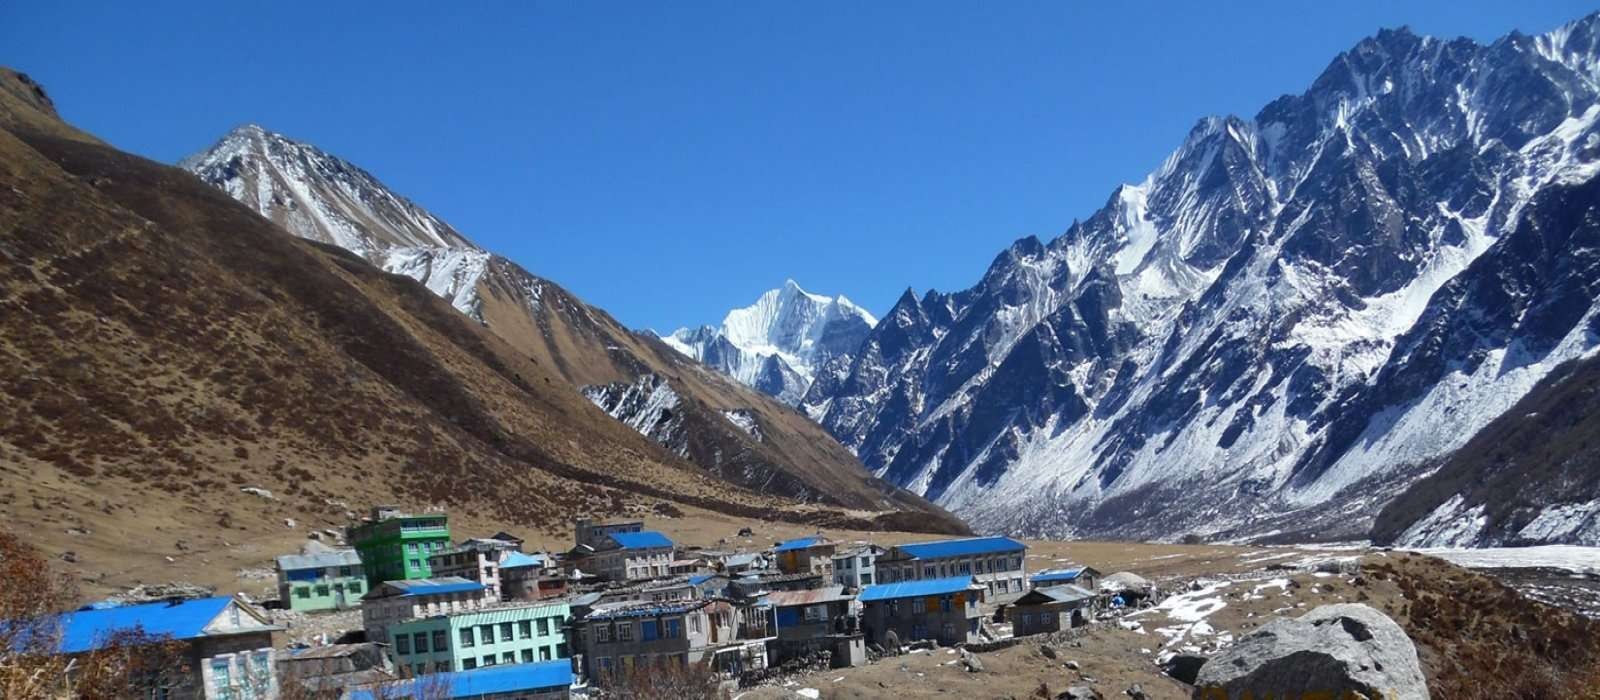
x: 321, y: 581
x: 463, y: 641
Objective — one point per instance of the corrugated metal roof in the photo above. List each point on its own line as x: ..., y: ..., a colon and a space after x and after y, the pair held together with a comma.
x: 939, y: 549
x: 433, y: 586
x: 1058, y: 575
x: 85, y: 629
x: 800, y: 543
x: 646, y: 539
x: 321, y: 560
x: 515, y: 560
x: 810, y: 596
x: 1064, y: 593
x: 506, y: 678
x: 912, y: 589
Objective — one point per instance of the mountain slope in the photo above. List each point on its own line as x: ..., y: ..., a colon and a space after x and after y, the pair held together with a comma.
x: 1246, y: 333
x: 578, y: 344
x: 779, y: 344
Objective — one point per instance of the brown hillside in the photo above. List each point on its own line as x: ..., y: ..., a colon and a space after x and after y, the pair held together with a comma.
x: 162, y: 346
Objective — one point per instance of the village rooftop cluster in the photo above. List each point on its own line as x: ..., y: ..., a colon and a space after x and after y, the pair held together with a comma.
x: 483, y: 618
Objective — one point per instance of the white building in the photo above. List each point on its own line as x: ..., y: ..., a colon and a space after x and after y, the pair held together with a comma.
x: 996, y: 563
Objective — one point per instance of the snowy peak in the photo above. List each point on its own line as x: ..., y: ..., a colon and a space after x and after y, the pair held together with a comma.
x: 318, y: 196
x: 778, y: 343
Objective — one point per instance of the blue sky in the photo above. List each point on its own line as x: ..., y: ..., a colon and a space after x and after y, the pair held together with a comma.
x: 668, y: 161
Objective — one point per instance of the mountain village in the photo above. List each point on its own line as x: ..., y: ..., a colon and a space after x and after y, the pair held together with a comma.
x: 623, y: 607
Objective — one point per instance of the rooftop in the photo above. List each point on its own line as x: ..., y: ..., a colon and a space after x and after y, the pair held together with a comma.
x: 647, y: 539
x: 491, y: 680
x: 84, y: 630
x: 913, y: 589
x: 1064, y: 593
x: 321, y: 560
x: 431, y: 586
x: 939, y: 549
x: 810, y: 596
x: 1062, y: 575
x: 514, y: 560
x: 802, y: 543
x: 631, y: 610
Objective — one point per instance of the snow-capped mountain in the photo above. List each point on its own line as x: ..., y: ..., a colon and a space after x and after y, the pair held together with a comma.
x: 1296, y: 314
x: 780, y: 343
x: 698, y: 415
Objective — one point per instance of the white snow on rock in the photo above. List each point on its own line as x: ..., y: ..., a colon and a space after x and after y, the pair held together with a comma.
x: 779, y: 343
x: 1575, y: 558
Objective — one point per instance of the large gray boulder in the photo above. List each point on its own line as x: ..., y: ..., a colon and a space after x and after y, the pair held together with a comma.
x: 1341, y: 651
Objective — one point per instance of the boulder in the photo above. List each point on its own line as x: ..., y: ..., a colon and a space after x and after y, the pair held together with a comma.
x: 1080, y: 692
x: 1048, y: 651
x: 1184, y: 668
x: 1347, y: 650
x: 1136, y: 692
x: 971, y: 661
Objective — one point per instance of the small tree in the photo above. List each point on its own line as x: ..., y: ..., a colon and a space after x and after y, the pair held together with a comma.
x: 128, y: 663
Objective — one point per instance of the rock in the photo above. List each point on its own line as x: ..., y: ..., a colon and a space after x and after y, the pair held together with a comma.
x: 314, y: 535
x: 288, y: 523
x: 1080, y: 692
x: 1073, y: 665
x: 258, y: 491
x: 1184, y: 668
x: 1334, y: 651
x: 1048, y: 651
x: 1136, y: 692
x: 69, y: 557
x: 971, y: 661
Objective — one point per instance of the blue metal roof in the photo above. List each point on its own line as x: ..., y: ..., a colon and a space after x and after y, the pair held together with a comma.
x: 800, y: 543
x: 490, y: 680
x: 1058, y: 575
x: 518, y: 559
x: 913, y: 589
x: 646, y: 539
x: 434, y: 586
x: 970, y: 546
x: 83, y: 630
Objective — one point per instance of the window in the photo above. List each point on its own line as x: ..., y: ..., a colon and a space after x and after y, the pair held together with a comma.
x: 866, y: 562
x: 525, y: 629
x: 505, y: 631
x: 466, y: 636
x: 441, y: 667
x: 419, y: 641
x: 602, y: 632
x: 411, y: 548
x: 441, y: 640
x: 625, y: 631
x: 527, y: 656
x: 322, y: 590
x: 508, y: 657
x: 402, y: 644
x: 469, y: 664
x: 488, y: 660
x: 544, y: 626
x: 302, y: 592
x: 694, y: 624
x: 674, y: 628
x: 930, y: 571
x: 949, y: 631
x: 344, y: 571
x: 919, y: 606
x: 604, y: 664
x: 816, y: 613
x: 647, y: 630
x: 544, y: 653
x: 416, y: 563
x: 944, y: 603
x: 866, y: 578
x: 221, y: 679
x: 486, y: 633
x: 966, y: 568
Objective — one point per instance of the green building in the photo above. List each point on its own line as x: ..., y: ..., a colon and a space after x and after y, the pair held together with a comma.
x: 395, y: 546
x: 330, y: 580
x: 467, y: 640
